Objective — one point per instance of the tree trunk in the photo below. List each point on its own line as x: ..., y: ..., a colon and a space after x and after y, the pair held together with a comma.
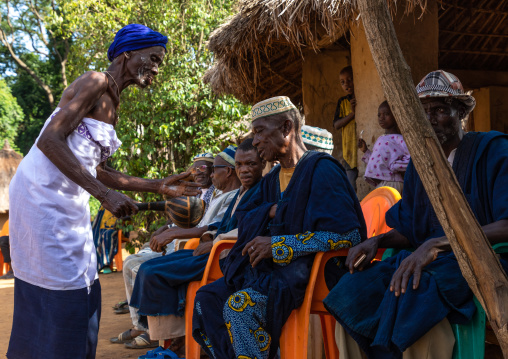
x: 477, y: 261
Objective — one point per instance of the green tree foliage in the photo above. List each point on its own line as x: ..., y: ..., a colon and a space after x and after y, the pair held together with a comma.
x: 11, y: 114
x: 34, y: 46
x: 161, y: 127
x: 164, y: 126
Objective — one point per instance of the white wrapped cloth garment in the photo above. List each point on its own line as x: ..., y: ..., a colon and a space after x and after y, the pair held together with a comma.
x: 49, y: 216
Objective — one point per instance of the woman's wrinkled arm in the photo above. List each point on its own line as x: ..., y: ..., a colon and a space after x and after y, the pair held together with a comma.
x: 52, y: 142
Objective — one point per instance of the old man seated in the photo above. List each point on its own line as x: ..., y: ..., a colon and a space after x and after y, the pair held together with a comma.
x: 304, y: 205
x: 406, y: 303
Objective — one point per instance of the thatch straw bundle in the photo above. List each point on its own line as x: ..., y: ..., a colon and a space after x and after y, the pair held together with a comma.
x: 9, y: 161
x: 259, y: 51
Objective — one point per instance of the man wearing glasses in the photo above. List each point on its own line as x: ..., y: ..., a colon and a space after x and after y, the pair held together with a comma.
x: 225, y: 182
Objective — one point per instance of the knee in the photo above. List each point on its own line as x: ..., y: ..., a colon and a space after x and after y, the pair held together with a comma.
x: 238, y: 305
x: 201, y: 297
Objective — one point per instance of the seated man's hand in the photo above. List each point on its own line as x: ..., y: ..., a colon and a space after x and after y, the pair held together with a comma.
x: 206, y: 237
x: 413, y: 266
x: 258, y: 249
x: 273, y: 209
x: 159, y: 231
x: 204, y: 247
x: 367, y: 248
x: 159, y: 241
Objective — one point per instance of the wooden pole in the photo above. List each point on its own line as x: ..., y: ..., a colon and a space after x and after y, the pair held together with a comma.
x: 477, y: 261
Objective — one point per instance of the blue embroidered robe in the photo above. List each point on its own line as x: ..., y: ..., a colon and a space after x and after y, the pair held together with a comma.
x: 318, y: 198
x: 384, y: 325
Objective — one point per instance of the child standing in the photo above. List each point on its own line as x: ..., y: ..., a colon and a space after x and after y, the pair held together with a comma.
x: 345, y: 119
x: 388, y: 160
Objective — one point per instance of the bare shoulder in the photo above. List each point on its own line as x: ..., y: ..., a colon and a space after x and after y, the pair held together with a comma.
x: 90, y: 84
x: 94, y: 79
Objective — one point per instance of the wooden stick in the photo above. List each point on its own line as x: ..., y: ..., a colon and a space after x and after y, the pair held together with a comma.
x: 476, y: 258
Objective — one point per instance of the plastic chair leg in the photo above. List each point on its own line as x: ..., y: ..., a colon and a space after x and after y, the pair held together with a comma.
x: 294, y: 339
x: 328, y: 327
x: 118, y: 255
x: 3, y: 265
x: 470, y: 338
x: 192, y: 348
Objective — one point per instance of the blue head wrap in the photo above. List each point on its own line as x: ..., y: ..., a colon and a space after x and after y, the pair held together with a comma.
x: 135, y: 37
x: 228, y: 155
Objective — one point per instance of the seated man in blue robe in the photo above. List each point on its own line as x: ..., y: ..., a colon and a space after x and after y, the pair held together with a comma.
x: 161, y: 283
x: 406, y: 303
x: 304, y: 205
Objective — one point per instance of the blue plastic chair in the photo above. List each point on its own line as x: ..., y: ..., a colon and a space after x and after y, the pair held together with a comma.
x: 470, y: 337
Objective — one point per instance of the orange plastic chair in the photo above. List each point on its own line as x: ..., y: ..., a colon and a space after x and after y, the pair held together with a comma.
x: 192, y: 243
x: 4, y: 267
x: 375, y: 205
x: 118, y: 255
x: 295, y: 333
x: 211, y: 274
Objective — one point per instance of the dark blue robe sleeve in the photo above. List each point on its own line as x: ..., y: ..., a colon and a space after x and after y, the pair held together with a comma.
x: 331, y: 217
x: 400, y: 216
x: 214, y: 226
x: 496, y: 173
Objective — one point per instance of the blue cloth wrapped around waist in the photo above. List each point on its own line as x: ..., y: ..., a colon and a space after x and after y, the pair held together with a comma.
x: 161, y: 283
x: 377, y: 318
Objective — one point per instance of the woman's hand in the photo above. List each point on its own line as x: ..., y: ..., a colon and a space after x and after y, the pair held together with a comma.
x: 362, y: 145
x: 367, y: 248
x: 119, y: 204
x: 258, y: 249
x: 413, y: 266
x: 175, y: 186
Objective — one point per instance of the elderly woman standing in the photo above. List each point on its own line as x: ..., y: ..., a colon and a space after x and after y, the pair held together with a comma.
x: 57, y: 297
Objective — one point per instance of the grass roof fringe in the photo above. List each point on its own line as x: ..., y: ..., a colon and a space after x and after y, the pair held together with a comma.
x: 251, y: 45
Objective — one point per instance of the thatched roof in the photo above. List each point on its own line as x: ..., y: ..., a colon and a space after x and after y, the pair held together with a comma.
x: 9, y: 161
x: 259, y: 51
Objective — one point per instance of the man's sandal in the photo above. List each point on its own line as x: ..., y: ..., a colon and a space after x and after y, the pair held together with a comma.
x: 120, y: 305
x: 142, y: 341
x: 123, y: 338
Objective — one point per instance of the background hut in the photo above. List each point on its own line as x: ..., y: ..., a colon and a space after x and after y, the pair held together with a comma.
x: 9, y: 161
x: 297, y: 48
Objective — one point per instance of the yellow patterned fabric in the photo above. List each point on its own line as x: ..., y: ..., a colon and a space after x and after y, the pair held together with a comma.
x: 108, y: 220
x: 246, y: 328
x: 282, y: 253
x: 349, y: 142
x: 240, y: 301
x: 272, y: 106
x: 285, y: 175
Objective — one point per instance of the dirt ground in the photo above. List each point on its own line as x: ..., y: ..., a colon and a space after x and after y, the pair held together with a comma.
x: 112, y: 324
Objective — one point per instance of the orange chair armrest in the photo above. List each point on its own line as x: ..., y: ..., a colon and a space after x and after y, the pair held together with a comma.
x: 212, y: 270
x: 192, y: 243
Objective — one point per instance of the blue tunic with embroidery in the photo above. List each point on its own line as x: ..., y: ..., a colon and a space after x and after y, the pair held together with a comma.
x: 385, y: 325
x: 318, y: 211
